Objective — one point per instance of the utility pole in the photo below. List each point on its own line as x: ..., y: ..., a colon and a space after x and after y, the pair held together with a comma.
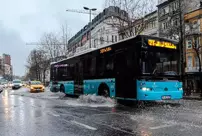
x: 182, y: 70
x: 90, y: 12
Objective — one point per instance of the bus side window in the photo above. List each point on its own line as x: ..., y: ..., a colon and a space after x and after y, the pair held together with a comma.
x: 109, y: 67
x: 85, y: 68
x: 76, y: 71
x: 120, y: 63
x: 92, y: 69
x: 81, y: 68
x: 132, y: 63
x: 101, y: 66
x: 70, y: 72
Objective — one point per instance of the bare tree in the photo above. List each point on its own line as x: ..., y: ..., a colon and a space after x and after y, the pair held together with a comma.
x: 134, y: 17
x: 65, y: 36
x: 51, y: 45
x: 56, y: 45
x: 37, y: 65
x: 33, y: 64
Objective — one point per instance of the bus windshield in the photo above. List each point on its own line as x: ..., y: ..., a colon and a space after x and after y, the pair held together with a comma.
x: 160, y: 63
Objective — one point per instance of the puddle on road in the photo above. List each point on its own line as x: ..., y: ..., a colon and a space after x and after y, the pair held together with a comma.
x: 45, y: 95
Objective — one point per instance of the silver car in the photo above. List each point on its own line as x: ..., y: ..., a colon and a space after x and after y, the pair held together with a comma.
x: 1, y: 87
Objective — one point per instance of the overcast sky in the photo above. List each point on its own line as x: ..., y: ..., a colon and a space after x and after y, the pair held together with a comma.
x: 23, y: 21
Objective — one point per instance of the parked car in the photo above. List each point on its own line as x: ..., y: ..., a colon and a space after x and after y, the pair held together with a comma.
x: 16, y: 84
x: 1, y: 87
x: 5, y: 84
x: 36, y: 86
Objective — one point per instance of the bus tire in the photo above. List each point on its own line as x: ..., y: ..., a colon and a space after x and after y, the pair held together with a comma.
x: 103, y: 90
x: 62, y: 88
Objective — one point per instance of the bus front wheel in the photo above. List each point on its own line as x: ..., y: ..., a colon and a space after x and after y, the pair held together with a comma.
x: 62, y: 88
x: 103, y: 90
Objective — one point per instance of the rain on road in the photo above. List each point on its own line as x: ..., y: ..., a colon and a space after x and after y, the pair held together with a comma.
x: 47, y: 114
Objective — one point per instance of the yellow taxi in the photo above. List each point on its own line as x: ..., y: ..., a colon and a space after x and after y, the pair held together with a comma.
x: 36, y: 86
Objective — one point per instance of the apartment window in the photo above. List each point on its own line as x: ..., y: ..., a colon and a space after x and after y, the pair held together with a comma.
x: 115, y: 38
x: 112, y: 38
x: 164, y: 25
x: 163, y: 11
x: 189, y: 44
x: 107, y: 39
x: 171, y: 7
x: 189, y: 61
x: 101, y: 40
x: 146, y: 26
x: 94, y: 42
x: 196, y: 61
x: 176, y: 5
x: 152, y: 24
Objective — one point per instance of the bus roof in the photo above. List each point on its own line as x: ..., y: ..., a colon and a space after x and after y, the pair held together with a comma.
x: 130, y: 38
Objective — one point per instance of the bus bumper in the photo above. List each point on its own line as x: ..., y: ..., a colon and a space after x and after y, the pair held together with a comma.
x: 152, y: 96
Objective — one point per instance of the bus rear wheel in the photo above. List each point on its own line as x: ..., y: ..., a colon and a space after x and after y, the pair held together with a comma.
x: 103, y: 90
x: 62, y: 88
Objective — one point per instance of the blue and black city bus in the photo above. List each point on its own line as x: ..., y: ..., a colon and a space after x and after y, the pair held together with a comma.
x: 143, y: 68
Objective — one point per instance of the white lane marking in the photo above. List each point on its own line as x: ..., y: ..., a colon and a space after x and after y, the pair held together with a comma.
x: 84, y: 125
x: 115, y: 128
x: 161, y: 126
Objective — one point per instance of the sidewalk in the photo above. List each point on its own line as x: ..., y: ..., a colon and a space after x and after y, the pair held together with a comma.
x: 193, y: 97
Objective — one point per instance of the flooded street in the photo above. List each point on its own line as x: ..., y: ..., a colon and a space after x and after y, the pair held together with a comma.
x: 49, y: 114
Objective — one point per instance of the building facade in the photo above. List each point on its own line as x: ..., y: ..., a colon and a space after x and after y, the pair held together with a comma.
x: 168, y: 18
x: 151, y: 24
x: 193, y: 32
x: 99, y: 32
x: 6, y: 69
x: 148, y: 25
x: 169, y: 13
x: 7, y: 59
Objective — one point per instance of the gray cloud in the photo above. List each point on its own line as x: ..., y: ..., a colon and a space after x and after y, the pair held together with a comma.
x: 11, y: 43
x: 24, y: 21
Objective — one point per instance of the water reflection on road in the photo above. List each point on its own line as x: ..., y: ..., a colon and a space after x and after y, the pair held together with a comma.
x: 43, y: 114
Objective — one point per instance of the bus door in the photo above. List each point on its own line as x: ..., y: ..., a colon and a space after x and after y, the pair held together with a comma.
x: 124, y: 72
x: 78, y: 82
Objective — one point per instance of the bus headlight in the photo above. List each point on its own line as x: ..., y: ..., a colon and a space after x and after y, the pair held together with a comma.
x: 146, y: 89
x: 180, y: 89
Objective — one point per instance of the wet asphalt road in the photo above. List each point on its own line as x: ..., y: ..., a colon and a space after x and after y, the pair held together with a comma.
x: 22, y: 115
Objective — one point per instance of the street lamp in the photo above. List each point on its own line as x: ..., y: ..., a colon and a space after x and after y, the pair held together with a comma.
x: 90, y: 12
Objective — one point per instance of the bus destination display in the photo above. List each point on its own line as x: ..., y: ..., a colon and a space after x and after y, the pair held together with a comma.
x: 162, y: 44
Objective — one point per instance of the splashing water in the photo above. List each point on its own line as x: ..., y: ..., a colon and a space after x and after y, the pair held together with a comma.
x: 92, y: 101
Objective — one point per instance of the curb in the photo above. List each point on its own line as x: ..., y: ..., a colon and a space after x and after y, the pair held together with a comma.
x: 192, y: 98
